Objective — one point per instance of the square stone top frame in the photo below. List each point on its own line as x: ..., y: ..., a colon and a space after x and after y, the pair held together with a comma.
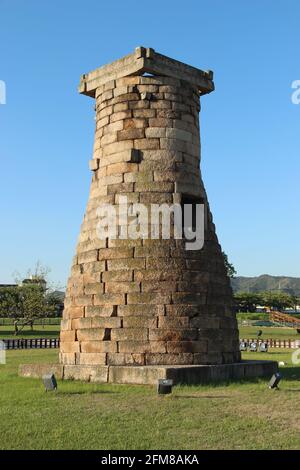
x: 146, y: 60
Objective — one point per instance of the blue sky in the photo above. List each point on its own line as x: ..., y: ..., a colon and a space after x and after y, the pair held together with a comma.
x: 249, y: 126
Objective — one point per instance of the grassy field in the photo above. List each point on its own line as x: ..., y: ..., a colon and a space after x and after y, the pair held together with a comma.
x: 268, y: 332
x: 39, y: 331
x: 52, y: 331
x: 88, y: 416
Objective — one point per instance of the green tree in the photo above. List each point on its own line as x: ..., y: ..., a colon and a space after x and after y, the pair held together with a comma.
x: 25, y: 304
x: 231, y: 272
x: 278, y: 300
x: 247, y: 301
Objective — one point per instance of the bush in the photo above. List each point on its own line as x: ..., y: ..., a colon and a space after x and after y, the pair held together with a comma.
x: 252, y: 316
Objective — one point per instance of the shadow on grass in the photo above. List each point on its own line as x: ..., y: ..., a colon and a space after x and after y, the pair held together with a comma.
x: 85, y: 392
x: 210, y: 397
x: 290, y: 373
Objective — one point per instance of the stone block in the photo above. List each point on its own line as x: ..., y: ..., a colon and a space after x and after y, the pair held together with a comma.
x: 154, y: 275
x: 129, y: 334
x: 98, y: 346
x: 133, y: 346
x: 135, y: 123
x: 169, y: 359
x: 148, y: 298
x: 155, y: 132
x: 38, y: 370
x: 158, y: 286
x: 158, y: 187
x: 119, y: 107
x: 121, y: 188
x: 65, y: 325
x: 188, y: 298
x: 123, y: 167
x: 69, y: 346
x: 91, y: 268
x: 122, y: 287
x: 105, y: 112
x: 141, y: 104
x: 97, y: 374
x: 100, y: 311
x: 122, y: 359
x: 135, y: 375
x: 126, y: 264
x: 175, y: 334
x: 121, y: 115
x: 94, y: 288
x: 139, y: 310
x: 155, y: 198
x: 139, y: 322
x: 144, y: 113
x: 109, y: 299
x: 67, y: 358
x: 160, y: 104
x: 179, y: 134
x: 170, y: 322
x: 118, y: 147
x: 108, y: 139
x: 105, y: 322
x: 80, y: 323
x: 83, y: 300
x: 94, y: 334
x: 91, y: 358
x: 67, y: 335
x: 187, y: 346
x: 87, y: 256
x: 74, y: 312
x: 131, y: 134
x: 150, y: 144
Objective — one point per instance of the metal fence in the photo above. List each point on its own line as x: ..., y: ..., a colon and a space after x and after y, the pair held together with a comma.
x: 274, y: 343
x: 32, y: 343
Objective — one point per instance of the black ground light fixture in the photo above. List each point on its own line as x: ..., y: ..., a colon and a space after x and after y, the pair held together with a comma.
x: 243, y: 346
x: 263, y: 347
x: 164, y: 386
x: 275, y: 380
x: 49, y: 382
x: 259, y: 333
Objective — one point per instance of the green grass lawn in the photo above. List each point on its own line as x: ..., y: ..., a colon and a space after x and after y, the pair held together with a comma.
x: 241, y: 415
x: 39, y: 331
x: 269, y: 332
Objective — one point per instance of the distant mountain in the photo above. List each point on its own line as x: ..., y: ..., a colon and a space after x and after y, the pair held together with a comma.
x: 290, y: 285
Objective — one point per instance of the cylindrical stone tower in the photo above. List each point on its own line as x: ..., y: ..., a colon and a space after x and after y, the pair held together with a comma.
x: 147, y: 301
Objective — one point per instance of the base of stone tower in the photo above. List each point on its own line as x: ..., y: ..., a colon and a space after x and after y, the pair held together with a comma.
x: 148, y: 375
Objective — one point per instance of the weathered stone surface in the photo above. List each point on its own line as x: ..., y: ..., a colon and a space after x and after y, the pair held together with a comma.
x: 91, y: 358
x: 137, y: 301
x: 149, y: 374
x: 69, y: 346
x: 98, y: 346
x: 91, y: 334
x: 67, y: 335
x: 98, y: 374
x: 38, y: 370
x: 129, y: 334
x: 100, y: 311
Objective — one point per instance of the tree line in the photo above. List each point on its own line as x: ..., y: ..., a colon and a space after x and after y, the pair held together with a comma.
x: 249, y: 301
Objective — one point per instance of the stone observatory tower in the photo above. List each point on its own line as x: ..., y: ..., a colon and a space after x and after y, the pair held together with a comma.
x: 136, y: 306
